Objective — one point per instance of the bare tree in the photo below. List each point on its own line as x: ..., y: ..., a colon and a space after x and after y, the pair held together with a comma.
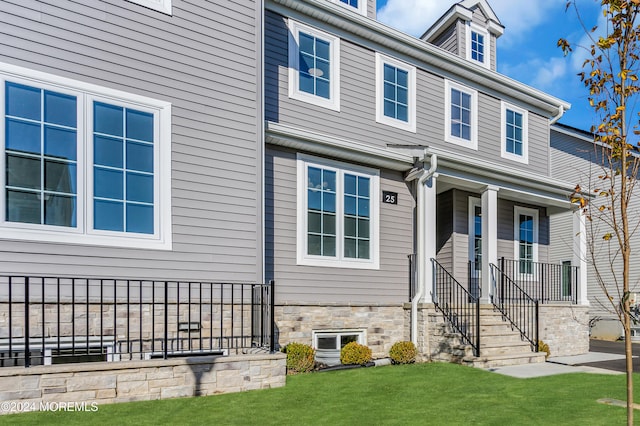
x: 610, y: 74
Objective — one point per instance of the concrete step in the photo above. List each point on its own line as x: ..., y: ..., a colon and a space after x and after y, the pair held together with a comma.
x: 493, y: 361
x: 503, y: 348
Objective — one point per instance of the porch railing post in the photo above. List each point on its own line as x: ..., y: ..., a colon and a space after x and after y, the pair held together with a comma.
x: 165, y: 353
x: 27, y: 350
x: 272, y: 303
x: 537, y: 321
x: 502, y: 263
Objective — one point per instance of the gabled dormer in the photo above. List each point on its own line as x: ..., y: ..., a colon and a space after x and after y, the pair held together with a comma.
x: 469, y: 29
x: 363, y: 7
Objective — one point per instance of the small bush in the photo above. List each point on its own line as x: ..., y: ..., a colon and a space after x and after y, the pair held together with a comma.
x: 300, y: 358
x: 355, y: 353
x: 403, y: 353
x: 543, y: 347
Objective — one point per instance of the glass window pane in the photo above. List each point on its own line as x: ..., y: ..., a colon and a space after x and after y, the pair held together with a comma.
x: 403, y: 113
x: 403, y: 78
x: 108, y: 183
x: 23, y: 172
x: 403, y: 96
x: 347, y: 338
x: 363, y: 249
x: 139, y: 125
x: 107, y: 151
x: 329, y: 202
x: 140, y: 157
x: 350, y: 226
x: 23, y: 101
x: 139, y: 187
x: 350, y: 248
x: 60, y: 109
x: 363, y: 186
x: 314, y: 245
x: 328, y: 342
x: 323, y: 88
x: 314, y: 178
x: 323, y: 70
x: 60, y: 177
x: 108, y: 215
x: 456, y: 130
x: 306, y: 83
x: 23, y: 137
x: 329, y: 224
x: 306, y: 42
x: 60, y: 143
x: 518, y: 120
x: 314, y: 222
x: 389, y: 73
x: 466, y: 100
x: 350, y: 184
x: 323, y: 49
x: 306, y: 63
x: 139, y: 219
x: 60, y: 210
x: 107, y: 119
x: 363, y: 228
x: 23, y: 207
x: 363, y: 207
x: 314, y: 199
x: 350, y: 205
x: 329, y: 180
x: 389, y: 91
x: 329, y: 246
x: 389, y: 109
x: 466, y: 132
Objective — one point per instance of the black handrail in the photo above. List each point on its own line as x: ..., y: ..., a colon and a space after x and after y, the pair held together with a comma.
x: 520, y: 309
x: 459, y: 307
x: 94, y: 319
x: 545, y: 282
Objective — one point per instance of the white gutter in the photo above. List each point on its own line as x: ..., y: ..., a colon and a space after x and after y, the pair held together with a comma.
x: 557, y: 117
x: 420, y: 257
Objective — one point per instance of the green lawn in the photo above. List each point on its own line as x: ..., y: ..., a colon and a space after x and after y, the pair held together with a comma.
x: 437, y: 394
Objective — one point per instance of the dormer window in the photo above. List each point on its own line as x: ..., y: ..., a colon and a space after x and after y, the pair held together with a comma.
x: 360, y: 6
x: 478, y: 45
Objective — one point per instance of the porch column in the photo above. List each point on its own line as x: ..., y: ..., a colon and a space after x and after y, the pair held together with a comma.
x: 429, y: 235
x: 489, y: 203
x: 580, y: 255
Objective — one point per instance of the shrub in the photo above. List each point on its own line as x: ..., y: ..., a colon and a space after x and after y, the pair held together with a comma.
x: 300, y: 358
x: 355, y: 353
x: 543, y: 347
x: 403, y: 353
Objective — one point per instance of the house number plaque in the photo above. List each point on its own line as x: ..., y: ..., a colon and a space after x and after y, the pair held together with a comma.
x: 389, y: 197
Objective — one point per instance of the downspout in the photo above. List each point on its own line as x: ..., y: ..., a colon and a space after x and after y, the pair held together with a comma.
x: 557, y: 117
x: 422, y: 269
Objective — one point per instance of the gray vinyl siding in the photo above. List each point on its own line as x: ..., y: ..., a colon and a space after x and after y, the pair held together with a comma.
x: 202, y: 59
x: 444, y: 229
x: 296, y: 283
x: 576, y: 161
x: 356, y: 120
x: 371, y: 9
x: 448, y: 40
x: 494, y: 52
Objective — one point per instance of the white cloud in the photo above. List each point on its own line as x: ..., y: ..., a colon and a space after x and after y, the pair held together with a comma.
x: 549, y: 73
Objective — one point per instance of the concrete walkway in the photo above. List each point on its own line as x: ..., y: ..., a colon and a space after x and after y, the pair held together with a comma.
x: 562, y: 365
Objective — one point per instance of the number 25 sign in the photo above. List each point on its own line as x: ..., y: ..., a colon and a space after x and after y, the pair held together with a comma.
x: 389, y: 197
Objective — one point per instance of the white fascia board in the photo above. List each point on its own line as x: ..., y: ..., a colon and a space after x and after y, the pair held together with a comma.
x: 424, y: 55
x: 309, y: 141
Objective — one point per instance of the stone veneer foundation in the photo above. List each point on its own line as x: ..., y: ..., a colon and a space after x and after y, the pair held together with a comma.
x: 23, y: 389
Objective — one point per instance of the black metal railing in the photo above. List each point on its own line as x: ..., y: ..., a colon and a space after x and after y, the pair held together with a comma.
x: 474, y: 281
x: 545, y: 282
x: 48, y: 320
x: 516, y: 306
x: 459, y: 307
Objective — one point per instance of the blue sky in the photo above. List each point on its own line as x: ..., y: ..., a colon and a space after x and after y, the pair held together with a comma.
x: 527, y: 50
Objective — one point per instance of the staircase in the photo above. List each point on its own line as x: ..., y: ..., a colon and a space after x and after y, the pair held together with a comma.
x: 501, y: 345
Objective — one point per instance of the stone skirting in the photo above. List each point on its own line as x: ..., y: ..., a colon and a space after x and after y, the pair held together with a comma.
x: 384, y: 324
x: 565, y: 328
x: 104, y: 383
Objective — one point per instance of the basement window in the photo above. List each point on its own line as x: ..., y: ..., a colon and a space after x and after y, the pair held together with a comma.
x: 328, y: 343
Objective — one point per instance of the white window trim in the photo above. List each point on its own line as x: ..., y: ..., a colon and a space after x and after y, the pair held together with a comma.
x: 294, y: 64
x: 361, y: 9
x: 524, y: 158
x: 380, y: 117
x: 471, y: 27
x: 163, y: 6
x: 473, y: 143
x: 517, y: 211
x: 82, y: 233
x: 338, y: 261
x: 360, y: 332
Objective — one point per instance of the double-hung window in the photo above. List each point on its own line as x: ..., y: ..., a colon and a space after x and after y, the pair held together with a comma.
x: 314, y: 66
x: 395, y: 93
x: 359, y: 6
x: 514, y: 133
x: 478, y: 45
x: 83, y: 164
x: 461, y: 115
x: 526, y: 239
x: 337, y: 214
